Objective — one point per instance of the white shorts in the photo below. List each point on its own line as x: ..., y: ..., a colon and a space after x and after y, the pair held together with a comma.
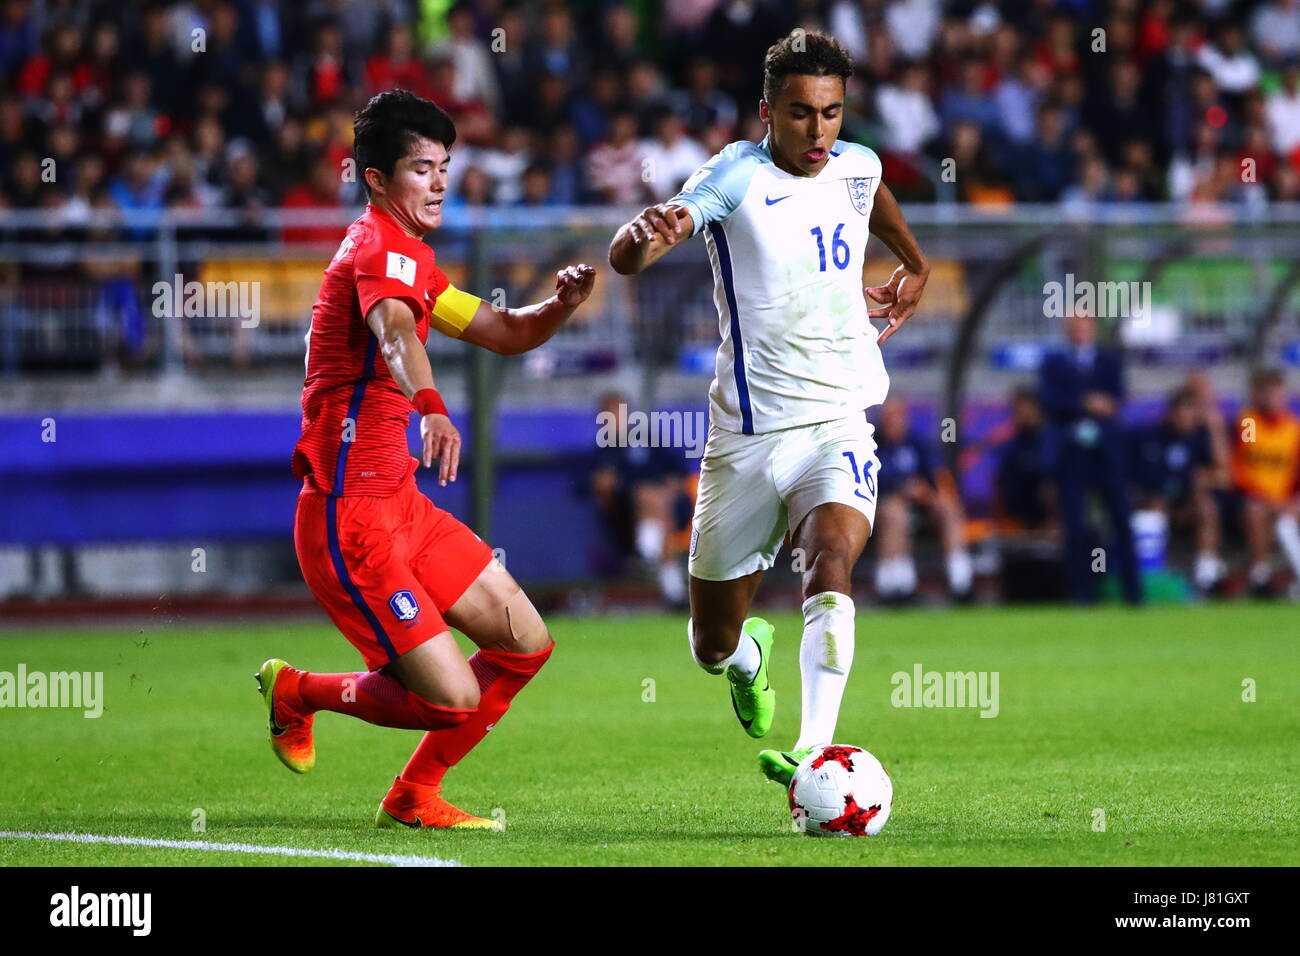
x: 755, y: 488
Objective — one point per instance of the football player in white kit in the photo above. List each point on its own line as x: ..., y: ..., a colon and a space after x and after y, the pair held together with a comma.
x: 790, y: 450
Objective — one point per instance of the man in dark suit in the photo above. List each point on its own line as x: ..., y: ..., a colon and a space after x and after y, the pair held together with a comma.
x: 1081, y: 387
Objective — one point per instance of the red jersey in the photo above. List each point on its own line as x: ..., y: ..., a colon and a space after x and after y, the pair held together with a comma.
x: 354, y: 415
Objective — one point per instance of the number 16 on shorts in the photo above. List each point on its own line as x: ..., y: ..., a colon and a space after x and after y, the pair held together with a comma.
x: 863, y: 480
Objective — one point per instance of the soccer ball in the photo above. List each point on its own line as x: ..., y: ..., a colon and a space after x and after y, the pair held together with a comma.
x: 838, y: 790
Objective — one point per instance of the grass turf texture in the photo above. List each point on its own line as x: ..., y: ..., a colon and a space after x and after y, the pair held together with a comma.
x: 1139, y: 714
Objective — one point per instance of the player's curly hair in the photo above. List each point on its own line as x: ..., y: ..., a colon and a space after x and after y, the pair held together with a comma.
x: 387, y: 125
x: 804, y: 53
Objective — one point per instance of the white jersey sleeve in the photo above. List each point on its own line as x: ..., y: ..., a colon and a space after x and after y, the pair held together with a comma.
x: 717, y: 188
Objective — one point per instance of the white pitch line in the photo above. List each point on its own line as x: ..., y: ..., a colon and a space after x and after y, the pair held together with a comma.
x: 394, y: 859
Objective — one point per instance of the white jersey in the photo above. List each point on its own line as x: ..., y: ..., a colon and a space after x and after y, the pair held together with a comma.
x: 787, y: 253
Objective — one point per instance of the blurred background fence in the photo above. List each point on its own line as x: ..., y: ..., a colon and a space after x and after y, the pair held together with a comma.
x: 143, y: 437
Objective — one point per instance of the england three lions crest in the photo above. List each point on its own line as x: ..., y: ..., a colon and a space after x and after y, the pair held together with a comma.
x: 860, y: 193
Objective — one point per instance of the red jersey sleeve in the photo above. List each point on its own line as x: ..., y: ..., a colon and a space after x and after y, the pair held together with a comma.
x: 386, y: 273
x: 438, y: 283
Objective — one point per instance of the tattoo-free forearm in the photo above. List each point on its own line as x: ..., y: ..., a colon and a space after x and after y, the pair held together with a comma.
x: 394, y: 325
x: 533, y: 325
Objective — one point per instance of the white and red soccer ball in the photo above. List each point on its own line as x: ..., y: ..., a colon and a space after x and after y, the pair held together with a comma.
x: 839, y: 790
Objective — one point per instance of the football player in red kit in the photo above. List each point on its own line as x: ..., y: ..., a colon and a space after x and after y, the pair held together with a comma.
x: 392, y: 570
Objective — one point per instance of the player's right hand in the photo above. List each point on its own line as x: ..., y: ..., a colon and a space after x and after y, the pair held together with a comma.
x: 441, y: 444
x: 661, y: 221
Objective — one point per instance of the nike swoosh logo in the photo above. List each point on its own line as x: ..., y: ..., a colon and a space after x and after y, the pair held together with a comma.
x: 743, y: 722
x: 772, y: 202
x: 861, y: 495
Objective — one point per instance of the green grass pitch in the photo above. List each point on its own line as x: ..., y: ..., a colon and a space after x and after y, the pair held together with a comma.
x: 1138, y: 714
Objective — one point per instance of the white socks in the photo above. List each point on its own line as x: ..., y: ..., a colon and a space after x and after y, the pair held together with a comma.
x: 1209, y: 570
x: 1261, y: 574
x: 960, y: 571
x: 650, y: 540
x: 895, y: 577
x: 672, y: 582
x: 825, y: 656
x: 746, y: 659
x: 1288, y: 536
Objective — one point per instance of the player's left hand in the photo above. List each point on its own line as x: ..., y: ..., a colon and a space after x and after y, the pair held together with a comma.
x: 899, y: 297
x: 441, y: 444
x: 574, y: 284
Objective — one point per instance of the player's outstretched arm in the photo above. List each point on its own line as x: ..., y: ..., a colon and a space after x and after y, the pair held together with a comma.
x: 899, y: 296
x: 393, y: 323
x: 644, y: 241
x: 512, y: 331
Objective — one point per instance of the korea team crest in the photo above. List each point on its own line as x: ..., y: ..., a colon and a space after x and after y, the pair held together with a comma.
x: 404, y: 605
x: 860, y: 193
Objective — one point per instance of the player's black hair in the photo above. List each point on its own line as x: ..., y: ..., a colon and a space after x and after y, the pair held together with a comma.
x: 386, y: 127
x: 803, y: 53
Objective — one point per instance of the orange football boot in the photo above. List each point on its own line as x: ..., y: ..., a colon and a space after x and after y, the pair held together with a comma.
x: 417, y: 805
x: 291, y: 737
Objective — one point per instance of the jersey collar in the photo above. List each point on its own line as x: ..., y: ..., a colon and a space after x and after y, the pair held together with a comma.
x: 385, y: 219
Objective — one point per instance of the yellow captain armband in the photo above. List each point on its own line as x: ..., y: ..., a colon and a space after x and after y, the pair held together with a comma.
x: 454, y: 310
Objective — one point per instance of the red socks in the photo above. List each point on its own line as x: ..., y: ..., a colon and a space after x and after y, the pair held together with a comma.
x: 500, y: 677
x: 377, y: 699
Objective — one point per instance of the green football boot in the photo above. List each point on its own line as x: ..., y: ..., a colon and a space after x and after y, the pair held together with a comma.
x: 754, y: 700
x: 779, y: 765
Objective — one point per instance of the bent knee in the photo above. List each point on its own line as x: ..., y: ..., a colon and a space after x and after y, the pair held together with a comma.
x: 713, y: 643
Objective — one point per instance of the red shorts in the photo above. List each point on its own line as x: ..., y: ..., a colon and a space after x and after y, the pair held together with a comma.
x: 385, y: 569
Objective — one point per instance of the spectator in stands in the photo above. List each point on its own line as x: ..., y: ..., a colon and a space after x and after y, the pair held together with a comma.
x: 617, y: 49
x: 614, y: 166
x: 556, y: 48
x: 1017, y: 96
x: 1283, y: 111
x: 319, y: 191
x: 643, y: 499
x: 505, y: 165
x: 1266, y: 473
x: 1026, y: 503
x: 971, y: 100
x: 908, y: 115
x: 476, y: 79
x: 701, y: 105
x: 537, y: 186
x: 139, y: 189
x: 670, y: 156
x: 568, y: 182
x: 1175, y: 473
x: 1047, y: 165
x: 978, y: 181
x: 1275, y: 28
x: 474, y: 189
x: 1233, y: 67
x: 327, y: 74
x: 910, y: 481
x: 1081, y: 388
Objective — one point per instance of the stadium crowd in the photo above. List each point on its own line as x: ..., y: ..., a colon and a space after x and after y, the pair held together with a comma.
x: 245, y: 103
